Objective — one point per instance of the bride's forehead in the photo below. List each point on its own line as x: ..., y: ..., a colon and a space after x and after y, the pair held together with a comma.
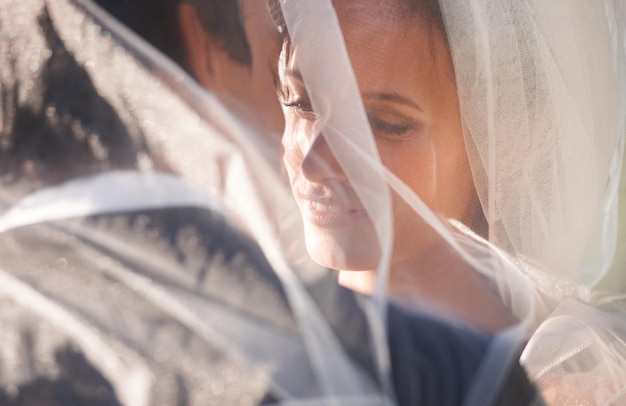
x: 358, y: 17
x: 389, y: 8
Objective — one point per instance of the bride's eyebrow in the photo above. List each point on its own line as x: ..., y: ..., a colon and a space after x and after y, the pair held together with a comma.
x: 393, y: 98
x: 297, y: 82
x: 383, y: 96
x: 294, y: 74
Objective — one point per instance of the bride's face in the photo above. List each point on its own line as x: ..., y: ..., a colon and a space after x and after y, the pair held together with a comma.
x: 406, y: 79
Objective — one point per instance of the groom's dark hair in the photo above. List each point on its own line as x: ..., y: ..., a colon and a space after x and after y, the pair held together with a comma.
x: 158, y: 23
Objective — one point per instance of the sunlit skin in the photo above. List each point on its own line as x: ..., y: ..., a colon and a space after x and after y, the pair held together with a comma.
x: 406, y: 79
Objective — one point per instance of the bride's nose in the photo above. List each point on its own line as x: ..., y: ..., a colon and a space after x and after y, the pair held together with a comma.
x: 319, y: 162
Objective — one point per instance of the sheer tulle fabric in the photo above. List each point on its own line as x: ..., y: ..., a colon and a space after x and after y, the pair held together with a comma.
x: 225, y: 165
x: 542, y: 88
x: 542, y: 94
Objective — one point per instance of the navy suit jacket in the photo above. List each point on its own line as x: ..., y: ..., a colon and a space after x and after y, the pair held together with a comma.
x: 179, y: 307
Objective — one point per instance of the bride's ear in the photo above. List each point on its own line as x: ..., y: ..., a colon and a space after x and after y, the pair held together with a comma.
x: 200, y: 47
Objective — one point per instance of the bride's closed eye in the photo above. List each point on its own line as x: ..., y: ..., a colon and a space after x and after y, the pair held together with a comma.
x: 382, y: 127
x: 302, y: 108
x: 391, y: 115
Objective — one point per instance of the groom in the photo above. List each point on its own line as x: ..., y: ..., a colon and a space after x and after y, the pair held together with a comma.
x: 122, y: 307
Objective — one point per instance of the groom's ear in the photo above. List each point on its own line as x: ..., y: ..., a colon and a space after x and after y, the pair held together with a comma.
x: 202, y: 51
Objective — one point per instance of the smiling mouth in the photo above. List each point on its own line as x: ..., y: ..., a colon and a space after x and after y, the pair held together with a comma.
x: 331, y: 214
x: 331, y: 208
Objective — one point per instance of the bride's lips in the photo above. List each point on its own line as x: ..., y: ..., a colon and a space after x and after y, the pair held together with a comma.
x: 330, y: 213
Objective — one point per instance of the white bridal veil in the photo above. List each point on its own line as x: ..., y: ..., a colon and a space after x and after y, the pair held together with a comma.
x: 541, y: 90
x: 462, y: 158
x: 85, y: 262
x: 222, y: 165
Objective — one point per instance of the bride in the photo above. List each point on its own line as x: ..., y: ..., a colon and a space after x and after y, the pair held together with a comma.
x: 467, y: 156
x: 410, y: 99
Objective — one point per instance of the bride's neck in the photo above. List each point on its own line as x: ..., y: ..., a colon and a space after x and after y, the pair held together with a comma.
x: 359, y: 281
x: 443, y: 281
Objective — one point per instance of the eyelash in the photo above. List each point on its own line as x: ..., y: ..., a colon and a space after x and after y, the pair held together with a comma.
x: 379, y: 126
x: 303, y: 109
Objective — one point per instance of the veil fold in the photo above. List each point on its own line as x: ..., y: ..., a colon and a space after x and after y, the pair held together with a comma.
x: 149, y: 237
x: 194, y: 153
x: 541, y: 90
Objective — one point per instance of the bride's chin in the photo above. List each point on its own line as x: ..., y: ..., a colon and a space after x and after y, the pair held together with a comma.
x: 343, y: 260
x: 343, y: 251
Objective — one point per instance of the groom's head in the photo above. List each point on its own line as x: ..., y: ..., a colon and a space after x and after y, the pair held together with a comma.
x: 230, y: 47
